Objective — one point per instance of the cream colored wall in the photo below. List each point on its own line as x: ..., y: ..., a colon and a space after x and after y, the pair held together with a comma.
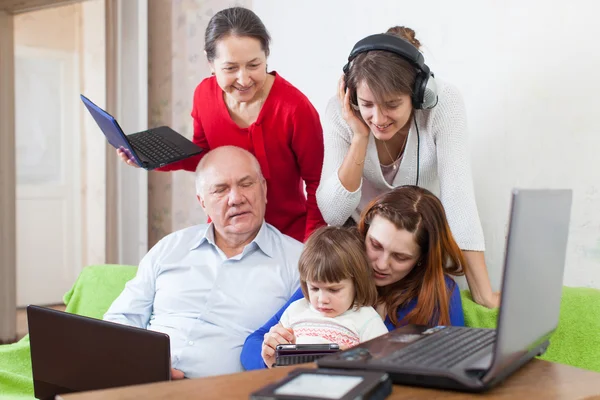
x: 52, y: 28
x: 176, y: 66
x: 92, y: 51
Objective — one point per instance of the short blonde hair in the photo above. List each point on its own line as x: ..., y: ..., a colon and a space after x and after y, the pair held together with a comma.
x: 332, y: 254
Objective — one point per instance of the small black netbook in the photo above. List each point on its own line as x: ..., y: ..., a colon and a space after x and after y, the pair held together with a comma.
x: 151, y: 149
x: 472, y: 359
x: 291, y: 354
x: 71, y: 353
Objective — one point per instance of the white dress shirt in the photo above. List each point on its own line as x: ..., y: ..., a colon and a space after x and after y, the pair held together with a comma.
x: 187, y: 288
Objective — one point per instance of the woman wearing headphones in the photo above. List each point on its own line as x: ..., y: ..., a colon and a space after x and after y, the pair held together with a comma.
x: 392, y: 124
x: 244, y: 105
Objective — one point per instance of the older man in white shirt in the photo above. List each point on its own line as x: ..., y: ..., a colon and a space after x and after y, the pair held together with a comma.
x: 211, y: 285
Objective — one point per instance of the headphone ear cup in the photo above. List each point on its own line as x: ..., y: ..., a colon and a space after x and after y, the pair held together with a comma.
x: 430, y: 94
x: 417, y: 95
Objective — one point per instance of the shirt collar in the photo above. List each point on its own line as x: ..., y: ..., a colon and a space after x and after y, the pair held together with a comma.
x: 261, y: 239
x: 208, y: 235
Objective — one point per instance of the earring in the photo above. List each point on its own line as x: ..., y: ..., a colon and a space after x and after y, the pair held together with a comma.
x: 212, y: 73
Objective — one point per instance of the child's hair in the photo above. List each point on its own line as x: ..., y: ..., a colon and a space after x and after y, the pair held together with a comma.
x: 332, y: 254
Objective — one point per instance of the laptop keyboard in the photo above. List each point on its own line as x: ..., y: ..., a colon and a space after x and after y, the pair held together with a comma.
x: 155, y: 147
x: 444, y: 349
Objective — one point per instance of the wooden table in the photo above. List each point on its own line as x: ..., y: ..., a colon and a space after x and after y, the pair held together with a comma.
x: 537, y: 380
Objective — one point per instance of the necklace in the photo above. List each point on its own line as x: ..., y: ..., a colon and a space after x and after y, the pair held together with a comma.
x: 400, y: 154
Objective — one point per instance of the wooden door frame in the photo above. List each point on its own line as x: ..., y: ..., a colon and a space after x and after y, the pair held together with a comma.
x: 8, y: 243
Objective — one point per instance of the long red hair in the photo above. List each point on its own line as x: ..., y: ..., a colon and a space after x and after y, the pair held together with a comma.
x: 420, y: 212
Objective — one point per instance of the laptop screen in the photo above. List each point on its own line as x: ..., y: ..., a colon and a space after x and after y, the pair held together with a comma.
x: 533, y: 273
x: 109, y: 126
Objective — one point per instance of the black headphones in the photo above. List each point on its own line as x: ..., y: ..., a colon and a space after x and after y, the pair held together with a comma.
x: 424, y: 94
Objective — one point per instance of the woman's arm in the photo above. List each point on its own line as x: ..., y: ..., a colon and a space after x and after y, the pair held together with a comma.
x: 456, y: 189
x: 307, y: 144
x: 479, y: 280
x: 339, y: 191
x: 250, y: 357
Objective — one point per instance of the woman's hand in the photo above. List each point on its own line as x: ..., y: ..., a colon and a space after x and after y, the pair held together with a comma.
x: 276, y: 335
x: 126, y: 157
x: 356, y: 124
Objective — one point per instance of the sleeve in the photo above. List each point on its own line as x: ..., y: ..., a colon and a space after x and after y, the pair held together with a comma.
x: 250, y: 357
x: 457, y: 317
x: 199, y: 138
x: 454, y: 170
x: 373, y: 328
x: 285, y: 318
x: 307, y: 144
x: 134, y: 305
x: 335, y: 202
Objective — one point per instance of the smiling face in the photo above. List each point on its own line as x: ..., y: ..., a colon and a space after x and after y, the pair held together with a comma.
x: 393, y: 252
x: 233, y: 192
x: 240, y: 67
x: 386, y: 119
x: 331, y: 299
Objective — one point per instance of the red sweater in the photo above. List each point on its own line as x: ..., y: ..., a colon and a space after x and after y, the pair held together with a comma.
x: 287, y: 140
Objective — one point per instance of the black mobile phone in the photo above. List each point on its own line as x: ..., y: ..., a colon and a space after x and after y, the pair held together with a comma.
x: 290, y: 354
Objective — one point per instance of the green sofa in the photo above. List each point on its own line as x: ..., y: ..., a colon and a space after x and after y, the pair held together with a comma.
x: 576, y: 342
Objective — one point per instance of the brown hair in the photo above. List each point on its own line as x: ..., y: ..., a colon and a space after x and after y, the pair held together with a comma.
x: 332, y: 254
x: 420, y: 212
x: 235, y: 21
x: 385, y: 73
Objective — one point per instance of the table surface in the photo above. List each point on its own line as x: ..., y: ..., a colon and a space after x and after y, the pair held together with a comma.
x: 536, y: 380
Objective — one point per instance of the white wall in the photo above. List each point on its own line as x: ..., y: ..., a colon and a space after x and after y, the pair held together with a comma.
x: 527, y: 71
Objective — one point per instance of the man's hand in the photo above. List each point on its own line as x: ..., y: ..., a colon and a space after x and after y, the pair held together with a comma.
x: 176, y: 374
x: 276, y: 335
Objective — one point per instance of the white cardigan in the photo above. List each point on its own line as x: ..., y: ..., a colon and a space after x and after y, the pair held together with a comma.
x: 444, y: 166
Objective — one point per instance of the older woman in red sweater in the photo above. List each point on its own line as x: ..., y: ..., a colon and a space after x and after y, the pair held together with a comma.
x: 244, y: 105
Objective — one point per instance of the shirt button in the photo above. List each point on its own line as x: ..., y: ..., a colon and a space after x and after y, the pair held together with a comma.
x: 191, y: 343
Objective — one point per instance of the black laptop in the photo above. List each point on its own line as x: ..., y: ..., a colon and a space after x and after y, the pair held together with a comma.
x: 151, y: 149
x: 473, y: 359
x: 71, y: 353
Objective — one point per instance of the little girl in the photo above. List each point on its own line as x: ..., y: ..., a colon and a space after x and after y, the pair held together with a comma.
x: 339, y: 292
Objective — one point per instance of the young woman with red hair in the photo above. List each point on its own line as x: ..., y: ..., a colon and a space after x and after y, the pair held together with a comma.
x: 413, y: 256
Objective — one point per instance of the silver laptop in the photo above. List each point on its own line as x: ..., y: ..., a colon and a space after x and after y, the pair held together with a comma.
x: 474, y: 359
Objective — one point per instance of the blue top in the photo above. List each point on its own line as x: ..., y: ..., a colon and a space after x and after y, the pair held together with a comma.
x: 251, y: 358
x: 207, y: 303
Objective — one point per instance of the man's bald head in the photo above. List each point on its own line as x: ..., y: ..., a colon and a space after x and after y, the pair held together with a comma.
x: 221, y: 157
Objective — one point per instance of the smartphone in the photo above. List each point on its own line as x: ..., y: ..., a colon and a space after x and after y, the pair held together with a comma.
x: 291, y: 354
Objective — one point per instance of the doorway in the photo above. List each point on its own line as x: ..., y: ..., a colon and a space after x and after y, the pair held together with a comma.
x: 82, y: 196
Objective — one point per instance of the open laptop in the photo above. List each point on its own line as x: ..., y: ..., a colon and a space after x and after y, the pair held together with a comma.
x: 473, y: 359
x: 71, y: 353
x: 150, y: 149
